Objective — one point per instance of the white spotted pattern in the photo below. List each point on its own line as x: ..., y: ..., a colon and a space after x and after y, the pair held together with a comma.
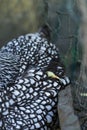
x: 28, y: 97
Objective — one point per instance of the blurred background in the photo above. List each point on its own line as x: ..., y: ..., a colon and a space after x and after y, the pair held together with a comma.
x: 18, y: 17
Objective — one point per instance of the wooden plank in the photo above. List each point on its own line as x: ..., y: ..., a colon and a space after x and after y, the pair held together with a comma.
x: 68, y: 120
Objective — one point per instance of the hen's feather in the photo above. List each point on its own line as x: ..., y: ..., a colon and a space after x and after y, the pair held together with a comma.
x: 28, y: 97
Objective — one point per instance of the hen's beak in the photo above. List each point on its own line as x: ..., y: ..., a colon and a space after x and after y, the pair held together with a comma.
x: 52, y: 75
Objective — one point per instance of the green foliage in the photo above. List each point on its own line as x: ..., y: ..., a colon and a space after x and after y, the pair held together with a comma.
x: 20, y: 16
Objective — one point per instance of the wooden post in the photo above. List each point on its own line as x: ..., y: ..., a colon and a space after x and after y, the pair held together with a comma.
x: 68, y: 120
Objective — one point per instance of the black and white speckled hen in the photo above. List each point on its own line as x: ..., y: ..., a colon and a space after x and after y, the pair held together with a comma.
x: 31, y: 75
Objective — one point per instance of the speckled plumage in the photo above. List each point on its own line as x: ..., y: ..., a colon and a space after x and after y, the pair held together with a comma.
x: 28, y: 97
